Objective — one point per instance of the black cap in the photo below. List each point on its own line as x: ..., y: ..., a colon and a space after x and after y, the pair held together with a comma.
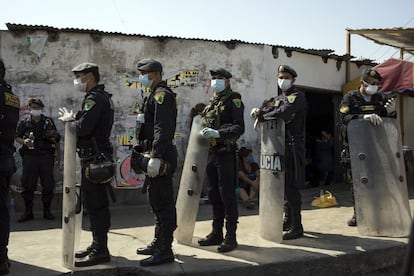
x: 36, y: 101
x: 149, y: 65
x: 369, y: 72
x: 86, y: 66
x: 287, y: 69
x: 221, y: 72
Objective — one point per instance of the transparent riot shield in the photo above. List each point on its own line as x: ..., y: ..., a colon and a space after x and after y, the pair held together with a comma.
x: 71, y: 202
x: 272, y: 180
x: 192, y: 177
x: 379, y: 181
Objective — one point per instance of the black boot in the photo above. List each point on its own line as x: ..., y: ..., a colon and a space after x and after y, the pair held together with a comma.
x: 215, y: 237
x: 4, y: 267
x: 296, y: 231
x: 151, y: 248
x: 28, y: 213
x: 95, y: 257
x: 46, y: 211
x: 83, y: 253
x: 4, y: 264
x: 163, y: 253
x: 287, y: 219
x: 229, y: 243
x: 99, y: 253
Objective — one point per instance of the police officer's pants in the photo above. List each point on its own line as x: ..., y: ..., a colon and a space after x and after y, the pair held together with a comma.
x: 294, y: 178
x: 96, y: 203
x: 35, y: 166
x: 5, y: 177
x: 221, y: 176
x: 161, y: 198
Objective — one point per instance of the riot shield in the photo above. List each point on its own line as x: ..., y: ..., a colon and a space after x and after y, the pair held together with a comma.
x: 192, y: 177
x: 272, y: 180
x: 71, y: 202
x: 378, y: 173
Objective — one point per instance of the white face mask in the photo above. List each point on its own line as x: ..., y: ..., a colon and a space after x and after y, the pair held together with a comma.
x: 218, y: 85
x: 36, y: 112
x: 371, y: 89
x: 79, y: 85
x: 284, y: 84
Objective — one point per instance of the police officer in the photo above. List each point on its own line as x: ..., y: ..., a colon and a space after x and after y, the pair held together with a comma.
x: 156, y: 139
x: 93, y: 128
x: 364, y: 103
x: 223, y: 124
x: 38, y: 153
x: 290, y: 105
x: 9, y: 116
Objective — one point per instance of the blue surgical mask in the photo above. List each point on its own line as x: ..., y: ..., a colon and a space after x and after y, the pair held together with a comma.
x: 143, y: 79
x: 218, y: 85
x: 250, y: 159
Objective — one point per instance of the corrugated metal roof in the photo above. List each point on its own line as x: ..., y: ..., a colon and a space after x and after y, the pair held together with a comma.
x: 323, y: 53
x: 401, y: 38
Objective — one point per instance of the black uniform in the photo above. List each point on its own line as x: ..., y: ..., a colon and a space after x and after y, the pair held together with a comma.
x: 94, y: 123
x: 38, y: 161
x: 355, y: 106
x: 9, y: 116
x: 225, y: 114
x: 291, y: 107
x: 156, y: 136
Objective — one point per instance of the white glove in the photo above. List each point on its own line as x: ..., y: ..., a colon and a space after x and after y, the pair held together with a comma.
x: 373, y: 118
x: 65, y: 115
x: 390, y: 105
x: 210, y: 133
x: 255, y: 112
x: 153, y: 168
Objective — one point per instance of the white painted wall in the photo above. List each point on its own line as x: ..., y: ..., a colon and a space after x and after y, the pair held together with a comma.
x: 253, y: 67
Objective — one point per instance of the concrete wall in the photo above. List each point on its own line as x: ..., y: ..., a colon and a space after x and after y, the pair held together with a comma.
x: 46, y: 71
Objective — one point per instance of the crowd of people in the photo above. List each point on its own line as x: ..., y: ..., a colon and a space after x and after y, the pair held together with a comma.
x: 232, y: 173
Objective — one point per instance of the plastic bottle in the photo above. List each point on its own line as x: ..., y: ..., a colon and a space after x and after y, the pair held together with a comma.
x: 12, y: 207
x: 31, y: 137
x: 322, y: 196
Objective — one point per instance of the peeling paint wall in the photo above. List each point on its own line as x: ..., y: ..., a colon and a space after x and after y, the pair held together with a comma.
x: 186, y: 67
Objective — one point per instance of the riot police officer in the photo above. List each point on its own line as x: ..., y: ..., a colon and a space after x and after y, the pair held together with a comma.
x: 9, y: 116
x: 156, y: 134
x: 364, y: 103
x: 38, y: 153
x: 290, y: 105
x: 223, y: 124
x: 93, y: 128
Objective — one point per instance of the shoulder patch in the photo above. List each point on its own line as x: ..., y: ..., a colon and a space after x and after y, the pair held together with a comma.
x: 291, y: 98
x: 277, y: 103
x: 89, y: 104
x: 159, y: 97
x: 11, y: 100
x: 237, y: 102
x: 344, y: 108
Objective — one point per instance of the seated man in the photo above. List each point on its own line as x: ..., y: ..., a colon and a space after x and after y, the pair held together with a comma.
x: 248, y: 176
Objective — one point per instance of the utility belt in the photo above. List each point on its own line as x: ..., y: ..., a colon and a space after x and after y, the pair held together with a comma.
x: 222, y: 145
x: 35, y: 152
x: 88, y: 153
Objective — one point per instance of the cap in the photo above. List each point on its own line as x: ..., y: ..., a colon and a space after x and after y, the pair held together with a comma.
x: 149, y: 65
x: 221, y: 72
x: 84, y: 67
x: 369, y: 72
x: 287, y: 69
x: 36, y: 101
